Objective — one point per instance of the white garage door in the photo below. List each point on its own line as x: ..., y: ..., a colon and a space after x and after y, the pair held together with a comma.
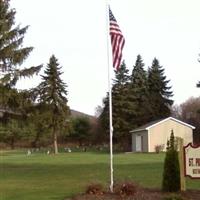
x: 138, y: 143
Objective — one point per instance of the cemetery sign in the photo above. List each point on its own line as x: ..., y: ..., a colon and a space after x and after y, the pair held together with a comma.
x: 192, y: 161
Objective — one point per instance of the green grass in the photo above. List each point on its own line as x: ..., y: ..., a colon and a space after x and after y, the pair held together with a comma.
x: 54, y: 177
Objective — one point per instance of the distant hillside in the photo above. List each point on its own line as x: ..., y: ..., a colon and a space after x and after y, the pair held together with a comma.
x: 75, y: 113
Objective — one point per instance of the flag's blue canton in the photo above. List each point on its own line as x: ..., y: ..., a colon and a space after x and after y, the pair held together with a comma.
x: 111, y: 16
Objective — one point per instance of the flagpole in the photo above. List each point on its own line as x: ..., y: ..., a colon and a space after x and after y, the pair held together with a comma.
x: 110, y: 98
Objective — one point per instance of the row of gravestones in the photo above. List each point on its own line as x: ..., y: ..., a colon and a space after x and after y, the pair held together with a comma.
x: 29, y: 152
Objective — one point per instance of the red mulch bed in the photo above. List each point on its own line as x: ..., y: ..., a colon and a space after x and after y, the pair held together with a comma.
x: 141, y: 194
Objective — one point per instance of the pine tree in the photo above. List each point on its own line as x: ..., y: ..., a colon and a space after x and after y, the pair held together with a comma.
x: 13, y: 121
x: 104, y: 118
x: 10, y: 133
x: 38, y: 121
x: 120, y: 106
x: 12, y: 56
x: 81, y: 130
x: 121, y: 76
x: 171, y: 173
x: 159, y: 92
x: 138, y: 94
x: 53, y: 95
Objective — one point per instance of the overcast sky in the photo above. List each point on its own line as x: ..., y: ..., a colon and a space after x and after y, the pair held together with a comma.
x: 75, y: 32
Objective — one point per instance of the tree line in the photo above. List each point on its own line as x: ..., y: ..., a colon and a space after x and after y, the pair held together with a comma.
x: 138, y: 98
x: 38, y: 116
x: 189, y: 112
x: 143, y: 96
x: 41, y: 116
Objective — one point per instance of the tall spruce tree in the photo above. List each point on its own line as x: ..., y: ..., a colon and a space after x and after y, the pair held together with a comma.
x: 12, y: 55
x: 159, y: 92
x: 53, y: 96
x: 120, y: 107
x: 138, y: 94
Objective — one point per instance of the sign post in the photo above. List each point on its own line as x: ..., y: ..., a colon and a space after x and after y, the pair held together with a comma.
x: 181, y: 163
x: 192, y: 161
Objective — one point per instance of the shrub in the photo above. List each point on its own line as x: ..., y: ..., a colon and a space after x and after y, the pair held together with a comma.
x: 159, y: 148
x: 171, y: 174
x: 125, y: 189
x: 96, y: 189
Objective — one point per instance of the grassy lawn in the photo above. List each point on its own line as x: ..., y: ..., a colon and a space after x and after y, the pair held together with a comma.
x: 54, y: 177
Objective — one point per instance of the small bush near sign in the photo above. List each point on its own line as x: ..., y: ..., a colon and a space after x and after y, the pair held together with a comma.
x: 171, y: 174
x: 159, y: 148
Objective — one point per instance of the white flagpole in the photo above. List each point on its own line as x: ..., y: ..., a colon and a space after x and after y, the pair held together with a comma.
x: 110, y: 97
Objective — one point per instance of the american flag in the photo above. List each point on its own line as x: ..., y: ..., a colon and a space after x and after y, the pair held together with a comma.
x: 117, y: 41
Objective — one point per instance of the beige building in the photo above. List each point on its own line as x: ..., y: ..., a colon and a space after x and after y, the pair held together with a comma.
x: 147, y: 137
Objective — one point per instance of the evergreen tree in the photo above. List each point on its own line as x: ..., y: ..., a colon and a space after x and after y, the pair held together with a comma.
x: 104, y: 118
x: 159, y: 92
x: 121, y: 76
x: 53, y: 95
x: 81, y: 129
x: 138, y: 94
x: 12, y: 56
x: 10, y: 133
x: 40, y: 131
x: 14, y: 121
x: 171, y: 173
x: 120, y: 106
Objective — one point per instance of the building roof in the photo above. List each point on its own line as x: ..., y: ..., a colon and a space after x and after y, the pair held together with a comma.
x: 154, y: 123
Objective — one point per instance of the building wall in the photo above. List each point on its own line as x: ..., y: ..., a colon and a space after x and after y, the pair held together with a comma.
x: 160, y: 133
x: 144, y: 140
